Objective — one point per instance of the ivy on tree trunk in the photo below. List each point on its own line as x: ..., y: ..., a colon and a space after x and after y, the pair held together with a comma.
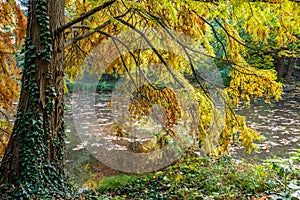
x: 34, y: 159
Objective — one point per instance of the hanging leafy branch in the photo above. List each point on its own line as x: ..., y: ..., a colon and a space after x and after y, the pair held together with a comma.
x: 165, y: 15
x: 139, y: 16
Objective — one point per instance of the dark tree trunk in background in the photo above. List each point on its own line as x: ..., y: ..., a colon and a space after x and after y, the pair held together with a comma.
x: 290, y: 69
x: 34, y: 158
x: 285, y: 68
x: 280, y: 66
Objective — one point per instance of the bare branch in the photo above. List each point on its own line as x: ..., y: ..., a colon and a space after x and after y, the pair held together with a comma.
x: 131, y: 54
x: 81, y: 27
x: 84, y: 16
x: 123, y: 62
x: 97, y: 29
x: 5, y: 131
x: 4, y: 115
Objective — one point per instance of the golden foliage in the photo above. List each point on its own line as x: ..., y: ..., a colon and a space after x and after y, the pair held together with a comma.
x: 247, y: 83
x: 12, y: 33
x: 236, y: 127
x: 273, y: 24
x: 175, y: 14
x: 147, y: 96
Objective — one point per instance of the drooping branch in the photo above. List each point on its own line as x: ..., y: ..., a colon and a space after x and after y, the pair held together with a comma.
x: 229, y: 35
x: 116, y: 39
x: 91, y: 30
x: 84, y: 16
x: 184, y: 47
x: 80, y: 37
x: 152, y: 47
x: 196, y: 75
x: 230, y: 63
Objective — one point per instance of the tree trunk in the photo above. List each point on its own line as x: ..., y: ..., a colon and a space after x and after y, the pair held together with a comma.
x: 285, y: 70
x: 280, y: 66
x: 290, y: 69
x: 34, y: 158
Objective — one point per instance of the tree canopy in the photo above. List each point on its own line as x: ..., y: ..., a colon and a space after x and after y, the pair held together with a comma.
x: 233, y: 33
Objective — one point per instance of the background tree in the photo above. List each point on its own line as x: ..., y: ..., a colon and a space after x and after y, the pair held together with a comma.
x: 12, y: 33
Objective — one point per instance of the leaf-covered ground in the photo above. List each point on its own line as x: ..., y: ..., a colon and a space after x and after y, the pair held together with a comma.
x: 278, y: 122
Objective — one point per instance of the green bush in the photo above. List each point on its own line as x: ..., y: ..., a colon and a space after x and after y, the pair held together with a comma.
x: 196, y: 178
x: 207, y: 178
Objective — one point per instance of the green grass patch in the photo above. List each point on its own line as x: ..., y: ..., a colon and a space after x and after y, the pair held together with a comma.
x: 115, y: 182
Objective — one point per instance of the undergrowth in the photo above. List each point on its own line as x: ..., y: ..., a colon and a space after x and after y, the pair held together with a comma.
x: 206, y: 178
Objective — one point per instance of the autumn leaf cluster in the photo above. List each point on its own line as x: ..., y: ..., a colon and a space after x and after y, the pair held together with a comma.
x: 12, y: 32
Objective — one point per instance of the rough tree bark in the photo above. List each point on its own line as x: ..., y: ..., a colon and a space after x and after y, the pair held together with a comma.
x: 34, y: 158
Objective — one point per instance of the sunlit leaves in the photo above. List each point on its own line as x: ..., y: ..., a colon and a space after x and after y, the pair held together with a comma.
x: 147, y: 96
x: 12, y: 33
x: 247, y: 83
x: 233, y: 30
x: 174, y: 14
x: 244, y: 35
